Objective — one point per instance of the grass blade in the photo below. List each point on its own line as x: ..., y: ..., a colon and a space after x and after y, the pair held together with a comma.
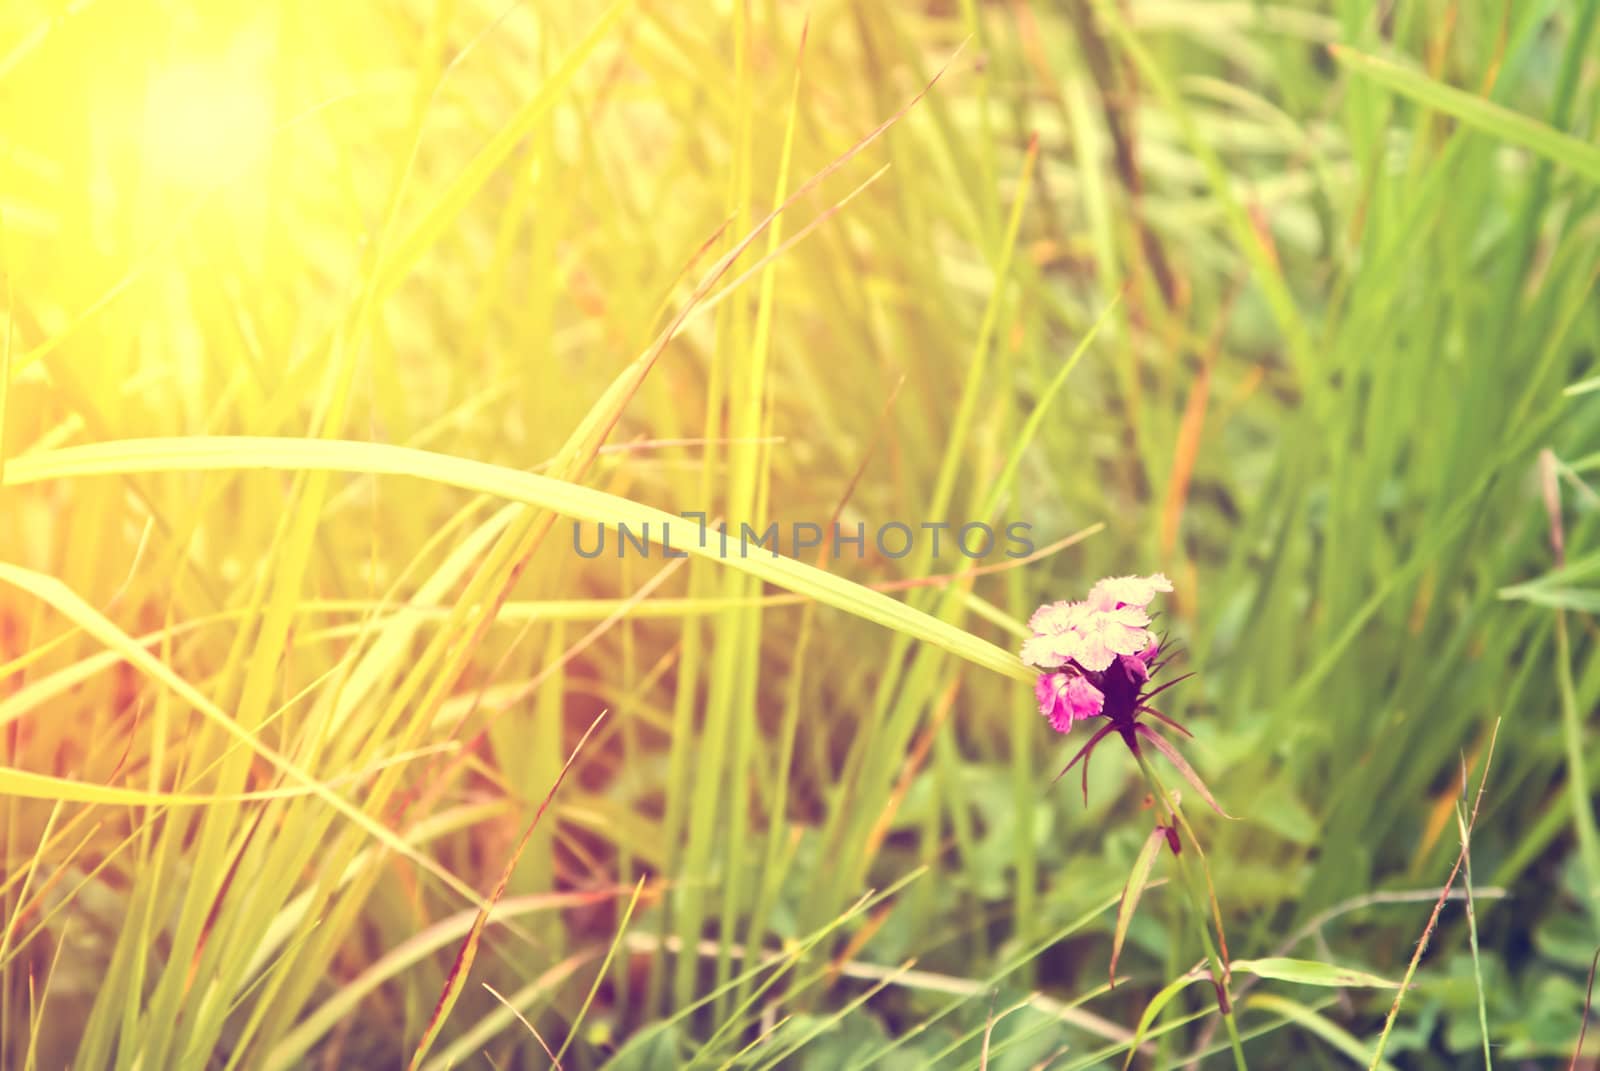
x: 221, y: 454
x: 1555, y: 146
x: 1137, y: 878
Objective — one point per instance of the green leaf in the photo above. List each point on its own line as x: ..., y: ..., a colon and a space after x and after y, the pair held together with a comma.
x: 1138, y: 877
x: 1311, y: 972
x: 1154, y: 1009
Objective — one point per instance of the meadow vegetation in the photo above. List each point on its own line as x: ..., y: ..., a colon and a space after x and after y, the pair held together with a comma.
x: 325, y: 323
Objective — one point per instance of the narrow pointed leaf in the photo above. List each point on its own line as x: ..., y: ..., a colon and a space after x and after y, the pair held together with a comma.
x: 1160, y: 744
x: 1157, y: 1004
x: 1083, y: 752
x: 1138, y: 877
x: 1311, y: 972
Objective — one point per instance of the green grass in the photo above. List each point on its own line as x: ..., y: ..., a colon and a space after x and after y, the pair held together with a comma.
x: 1286, y: 300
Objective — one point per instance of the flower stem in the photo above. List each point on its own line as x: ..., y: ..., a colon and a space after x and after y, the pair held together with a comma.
x: 1198, y: 901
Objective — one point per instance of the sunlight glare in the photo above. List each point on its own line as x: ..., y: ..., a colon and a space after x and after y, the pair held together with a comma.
x: 203, y: 123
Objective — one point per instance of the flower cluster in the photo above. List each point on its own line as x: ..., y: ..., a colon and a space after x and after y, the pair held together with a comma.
x: 1095, y: 658
x: 1088, y: 648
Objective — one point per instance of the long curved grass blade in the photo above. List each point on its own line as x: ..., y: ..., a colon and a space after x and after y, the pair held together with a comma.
x: 29, y: 785
x: 245, y: 453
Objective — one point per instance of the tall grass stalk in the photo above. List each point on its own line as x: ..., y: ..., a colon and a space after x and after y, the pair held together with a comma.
x: 1200, y: 905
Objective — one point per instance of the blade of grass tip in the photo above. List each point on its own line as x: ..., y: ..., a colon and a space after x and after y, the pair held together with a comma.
x: 1472, y: 926
x: 605, y: 966
x: 27, y: 874
x: 38, y: 901
x: 1065, y: 1013
x: 419, y: 947
x: 512, y: 1008
x: 1433, y: 919
x: 479, y: 1034
x: 457, y: 979
x: 1137, y: 878
x: 1588, y: 1001
x: 765, y: 1037
x: 778, y: 251
x: 1439, y: 814
x: 986, y: 1030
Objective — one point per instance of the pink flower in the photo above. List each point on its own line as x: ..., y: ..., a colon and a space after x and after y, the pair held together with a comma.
x: 1057, y: 634
x: 1118, y: 591
x: 1111, y: 622
x: 1065, y: 698
x: 1097, y: 658
x: 1108, y: 633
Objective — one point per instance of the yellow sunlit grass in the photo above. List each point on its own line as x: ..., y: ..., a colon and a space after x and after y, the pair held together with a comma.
x: 333, y: 333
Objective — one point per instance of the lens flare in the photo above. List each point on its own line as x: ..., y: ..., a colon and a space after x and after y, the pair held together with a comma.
x: 203, y: 123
